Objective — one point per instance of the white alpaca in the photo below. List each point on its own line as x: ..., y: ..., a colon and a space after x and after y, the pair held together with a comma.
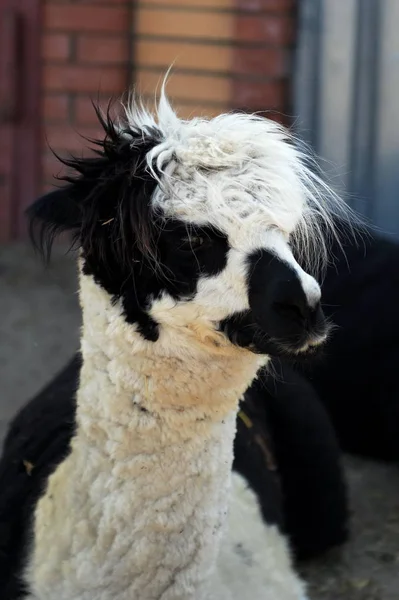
x: 188, y: 284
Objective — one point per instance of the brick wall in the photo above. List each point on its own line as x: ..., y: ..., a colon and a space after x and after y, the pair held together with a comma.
x: 265, y: 34
x: 229, y: 54
x: 197, y: 35
x: 86, y: 55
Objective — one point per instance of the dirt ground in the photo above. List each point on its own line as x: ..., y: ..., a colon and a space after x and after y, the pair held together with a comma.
x: 39, y: 330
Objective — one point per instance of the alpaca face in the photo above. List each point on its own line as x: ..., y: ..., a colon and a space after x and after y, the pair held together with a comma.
x: 194, y: 224
x: 256, y: 294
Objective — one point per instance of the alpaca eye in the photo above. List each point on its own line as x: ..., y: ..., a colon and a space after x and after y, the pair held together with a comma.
x: 191, y: 242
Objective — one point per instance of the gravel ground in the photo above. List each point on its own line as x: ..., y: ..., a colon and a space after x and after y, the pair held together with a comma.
x: 39, y: 332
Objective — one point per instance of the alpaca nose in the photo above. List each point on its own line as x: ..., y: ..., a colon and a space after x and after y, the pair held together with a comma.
x: 286, y: 313
x: 295, y: 299
x: 291, y: 310
x: 285, y: 301
x: 297, y: 310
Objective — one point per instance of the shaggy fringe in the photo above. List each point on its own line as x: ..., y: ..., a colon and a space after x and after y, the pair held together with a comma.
x: 325, y: 216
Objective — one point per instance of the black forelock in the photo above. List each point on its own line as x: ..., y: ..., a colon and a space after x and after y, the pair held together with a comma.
x: 106, y: 206
x: 131, y: 250
x: 117, y: 190
x: 110, y: 189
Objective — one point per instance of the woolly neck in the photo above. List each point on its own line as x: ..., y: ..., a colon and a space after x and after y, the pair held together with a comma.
x: 138, y: 507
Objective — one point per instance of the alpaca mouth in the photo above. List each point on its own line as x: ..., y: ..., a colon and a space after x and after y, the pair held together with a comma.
x: 308, y: 347
x: 242, y: 330
x: 313, y: 343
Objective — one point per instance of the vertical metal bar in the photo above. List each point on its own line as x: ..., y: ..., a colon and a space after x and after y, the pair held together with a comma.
x: 385, y: 210
x: 363, y: 112
x: 306, y: 69
x: 336, y: 73
x: 323, y: 81
x: 346, y: 90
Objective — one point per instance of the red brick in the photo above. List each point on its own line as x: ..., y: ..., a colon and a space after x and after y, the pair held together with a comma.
x: 263, y: 5
x: 95, y: 3
x: 84, y: 111
x: 64, y: 139
x: 46, y: 187
x: 103, y: 49
x: 55, y: 46
x: 271, y: 62
x: 7, y: 140
x: 269, y: 29
x: 66, y: 17
x: 56, y: 107
x: 280, y: 117
x: 51, y: 167
x: 254, y: 95
x: 74, y: 78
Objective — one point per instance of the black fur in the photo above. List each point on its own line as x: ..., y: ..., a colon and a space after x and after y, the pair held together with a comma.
x: 358, y: 376
x: 37, y: 441
x: 280, y: 320
x: 307, y: 454
x: 356, y: 379
x: 133, y: 252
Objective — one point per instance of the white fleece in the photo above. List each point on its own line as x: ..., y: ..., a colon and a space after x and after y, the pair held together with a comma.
x: 243, y: 174
x: 137, y: 510
x: 254, y: 560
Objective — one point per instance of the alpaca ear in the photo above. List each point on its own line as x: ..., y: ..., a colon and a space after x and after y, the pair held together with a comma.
x: 52, y: 214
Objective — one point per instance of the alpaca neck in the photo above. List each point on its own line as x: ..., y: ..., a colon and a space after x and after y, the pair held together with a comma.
x: 140, y: 502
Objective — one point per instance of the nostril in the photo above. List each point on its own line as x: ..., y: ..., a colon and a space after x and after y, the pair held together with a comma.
x: 317, y: 317
x: 290, y: 311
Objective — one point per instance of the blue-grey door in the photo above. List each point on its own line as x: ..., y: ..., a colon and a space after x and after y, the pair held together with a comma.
x: 347, y: 99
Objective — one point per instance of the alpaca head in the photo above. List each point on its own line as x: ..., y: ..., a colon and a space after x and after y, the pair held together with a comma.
x: 199, y: 224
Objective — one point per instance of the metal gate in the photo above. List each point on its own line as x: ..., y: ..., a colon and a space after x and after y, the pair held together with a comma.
x: 347, y: 99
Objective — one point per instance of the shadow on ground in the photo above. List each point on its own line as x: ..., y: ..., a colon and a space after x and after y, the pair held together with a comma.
x: 39, y: 332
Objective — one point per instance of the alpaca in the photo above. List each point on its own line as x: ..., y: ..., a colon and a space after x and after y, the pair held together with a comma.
x: 188, y: 284
x: 355, y: 380
x: 285, y: 448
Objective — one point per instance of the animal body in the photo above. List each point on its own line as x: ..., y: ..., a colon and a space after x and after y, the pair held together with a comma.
x: 357, y: 379
x: 356, y: 382
x: 187, y: 232
x: 285, y: 449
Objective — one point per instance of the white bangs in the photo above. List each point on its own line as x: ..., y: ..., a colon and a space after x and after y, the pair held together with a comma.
x: 240, y: 173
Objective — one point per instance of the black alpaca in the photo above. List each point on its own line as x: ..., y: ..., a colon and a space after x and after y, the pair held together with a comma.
x: 358, y: 379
